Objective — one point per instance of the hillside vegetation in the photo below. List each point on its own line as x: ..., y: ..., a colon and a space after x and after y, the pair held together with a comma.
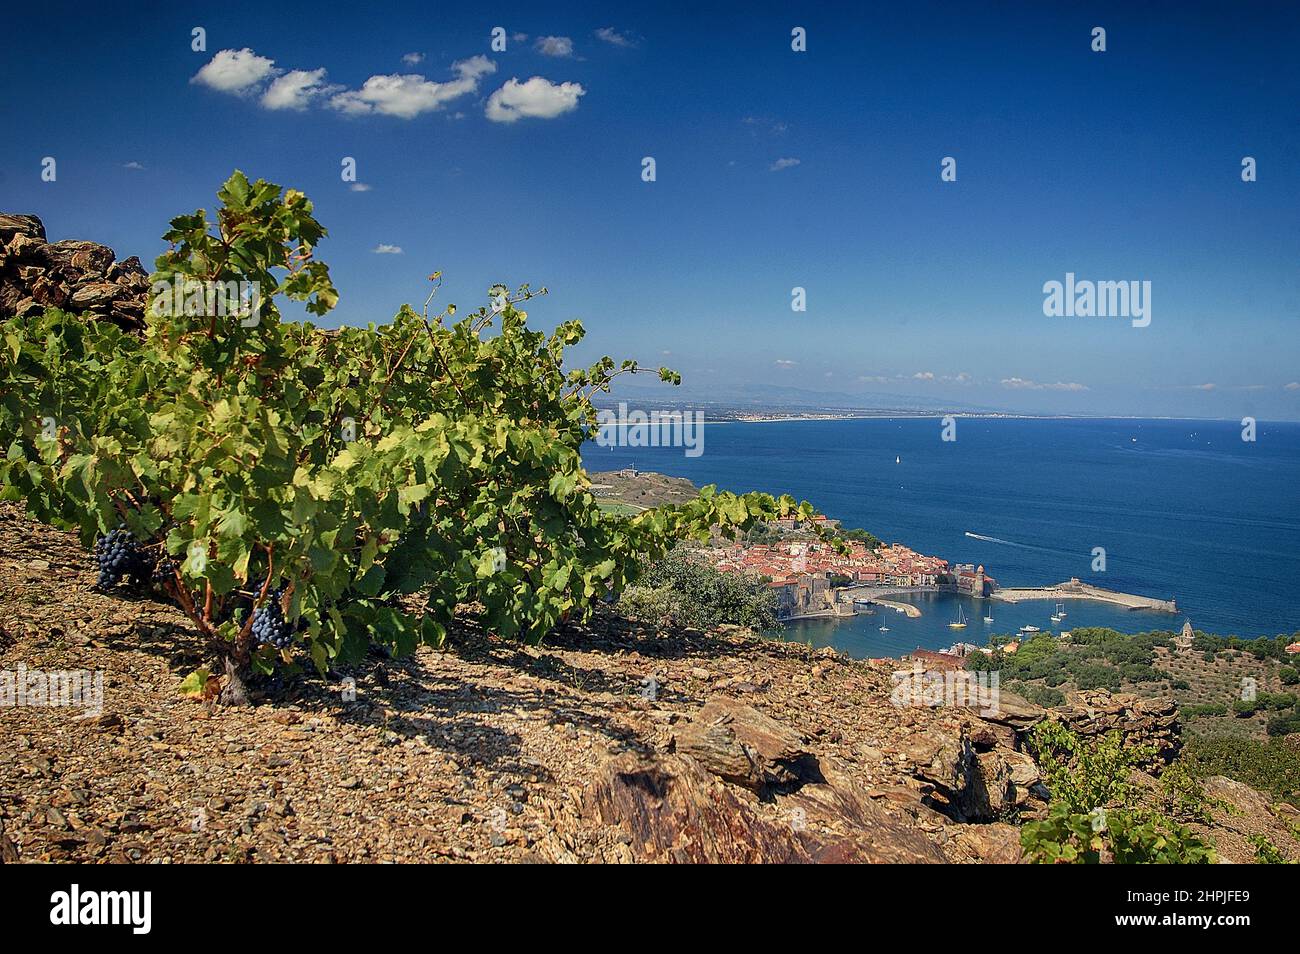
x: 1222, y: 685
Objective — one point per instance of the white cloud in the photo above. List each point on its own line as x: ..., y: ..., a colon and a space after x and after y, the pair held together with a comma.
x: 538, y: 98
x: 923, y: 376
x: 1293, y: 386
x: 872, y: 378
x: 1204, y: 387
x: 133, y: 165
x: 235, y: 71
x: 410, y: 59
x: 296, y: 89
x: 613, y: 37
x: 410, y: 95
x: 554, y: 46
x: 765, y: 123
x: 359, y: 187
x: 783, y: 363
x: 387, y: 249
x: 1023, y: 384
x: 787, y: 163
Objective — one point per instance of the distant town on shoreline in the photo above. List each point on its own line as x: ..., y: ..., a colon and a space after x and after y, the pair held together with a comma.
x: 726, y: 412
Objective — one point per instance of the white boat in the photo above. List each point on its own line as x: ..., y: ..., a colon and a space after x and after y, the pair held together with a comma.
x: 1056, y: 619
x: 960, y: 621
x: 1030, y: 629
x: 884, y: 629
x: 989, y: 618
x: 898, y: 460
x: 1060, y: 610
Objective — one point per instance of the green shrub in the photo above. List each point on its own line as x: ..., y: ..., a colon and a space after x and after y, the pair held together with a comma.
x: 862, y: 536
x: 1284, y: 724
x: 681, y: 590
x: 1083, y: 774
x: 1096, y: 676
x: 980, y: 661
x: 1043, y: 696
x: 1096, y: 813
x: 1267, y: 853
x: 1120, y: 836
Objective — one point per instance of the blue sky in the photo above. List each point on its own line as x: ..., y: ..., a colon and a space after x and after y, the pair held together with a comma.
x: 1122, y: 165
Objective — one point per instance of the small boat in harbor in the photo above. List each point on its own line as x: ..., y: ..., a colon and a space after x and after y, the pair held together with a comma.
x: 960, y: 621
x: 1030, y: 629
x: 989, y: 618
x: 1060, y: 610
x: 884, y: 629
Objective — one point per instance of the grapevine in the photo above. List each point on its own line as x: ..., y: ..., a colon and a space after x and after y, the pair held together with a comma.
x: 359, y: 466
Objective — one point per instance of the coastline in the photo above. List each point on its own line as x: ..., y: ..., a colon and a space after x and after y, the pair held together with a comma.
x: 843, y: 476
x: 1073, y: 590
x: 901, y: 414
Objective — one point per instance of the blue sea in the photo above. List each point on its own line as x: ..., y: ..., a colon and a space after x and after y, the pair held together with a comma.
x: 1183, y: 509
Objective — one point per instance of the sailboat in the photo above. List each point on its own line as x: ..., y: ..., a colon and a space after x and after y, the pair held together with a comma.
x: 884, y: 629
x: 1059, y: 614
x: 960, y: 621
x: 989, y: 618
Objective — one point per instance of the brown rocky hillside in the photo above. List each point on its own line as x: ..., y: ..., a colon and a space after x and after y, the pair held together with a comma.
x: 611, y: 743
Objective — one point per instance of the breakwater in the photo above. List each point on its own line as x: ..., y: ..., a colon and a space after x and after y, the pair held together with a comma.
x: 1076, y: 590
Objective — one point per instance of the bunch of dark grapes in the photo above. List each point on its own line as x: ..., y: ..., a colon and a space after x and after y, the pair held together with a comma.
x: 164, y: 571
x: 118, y: 555
x: 269, y: 624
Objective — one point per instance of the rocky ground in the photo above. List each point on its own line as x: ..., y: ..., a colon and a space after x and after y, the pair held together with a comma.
x: 610, y: 743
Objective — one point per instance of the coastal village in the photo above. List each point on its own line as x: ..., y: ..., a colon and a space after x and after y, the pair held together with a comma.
x: 811, y: 578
